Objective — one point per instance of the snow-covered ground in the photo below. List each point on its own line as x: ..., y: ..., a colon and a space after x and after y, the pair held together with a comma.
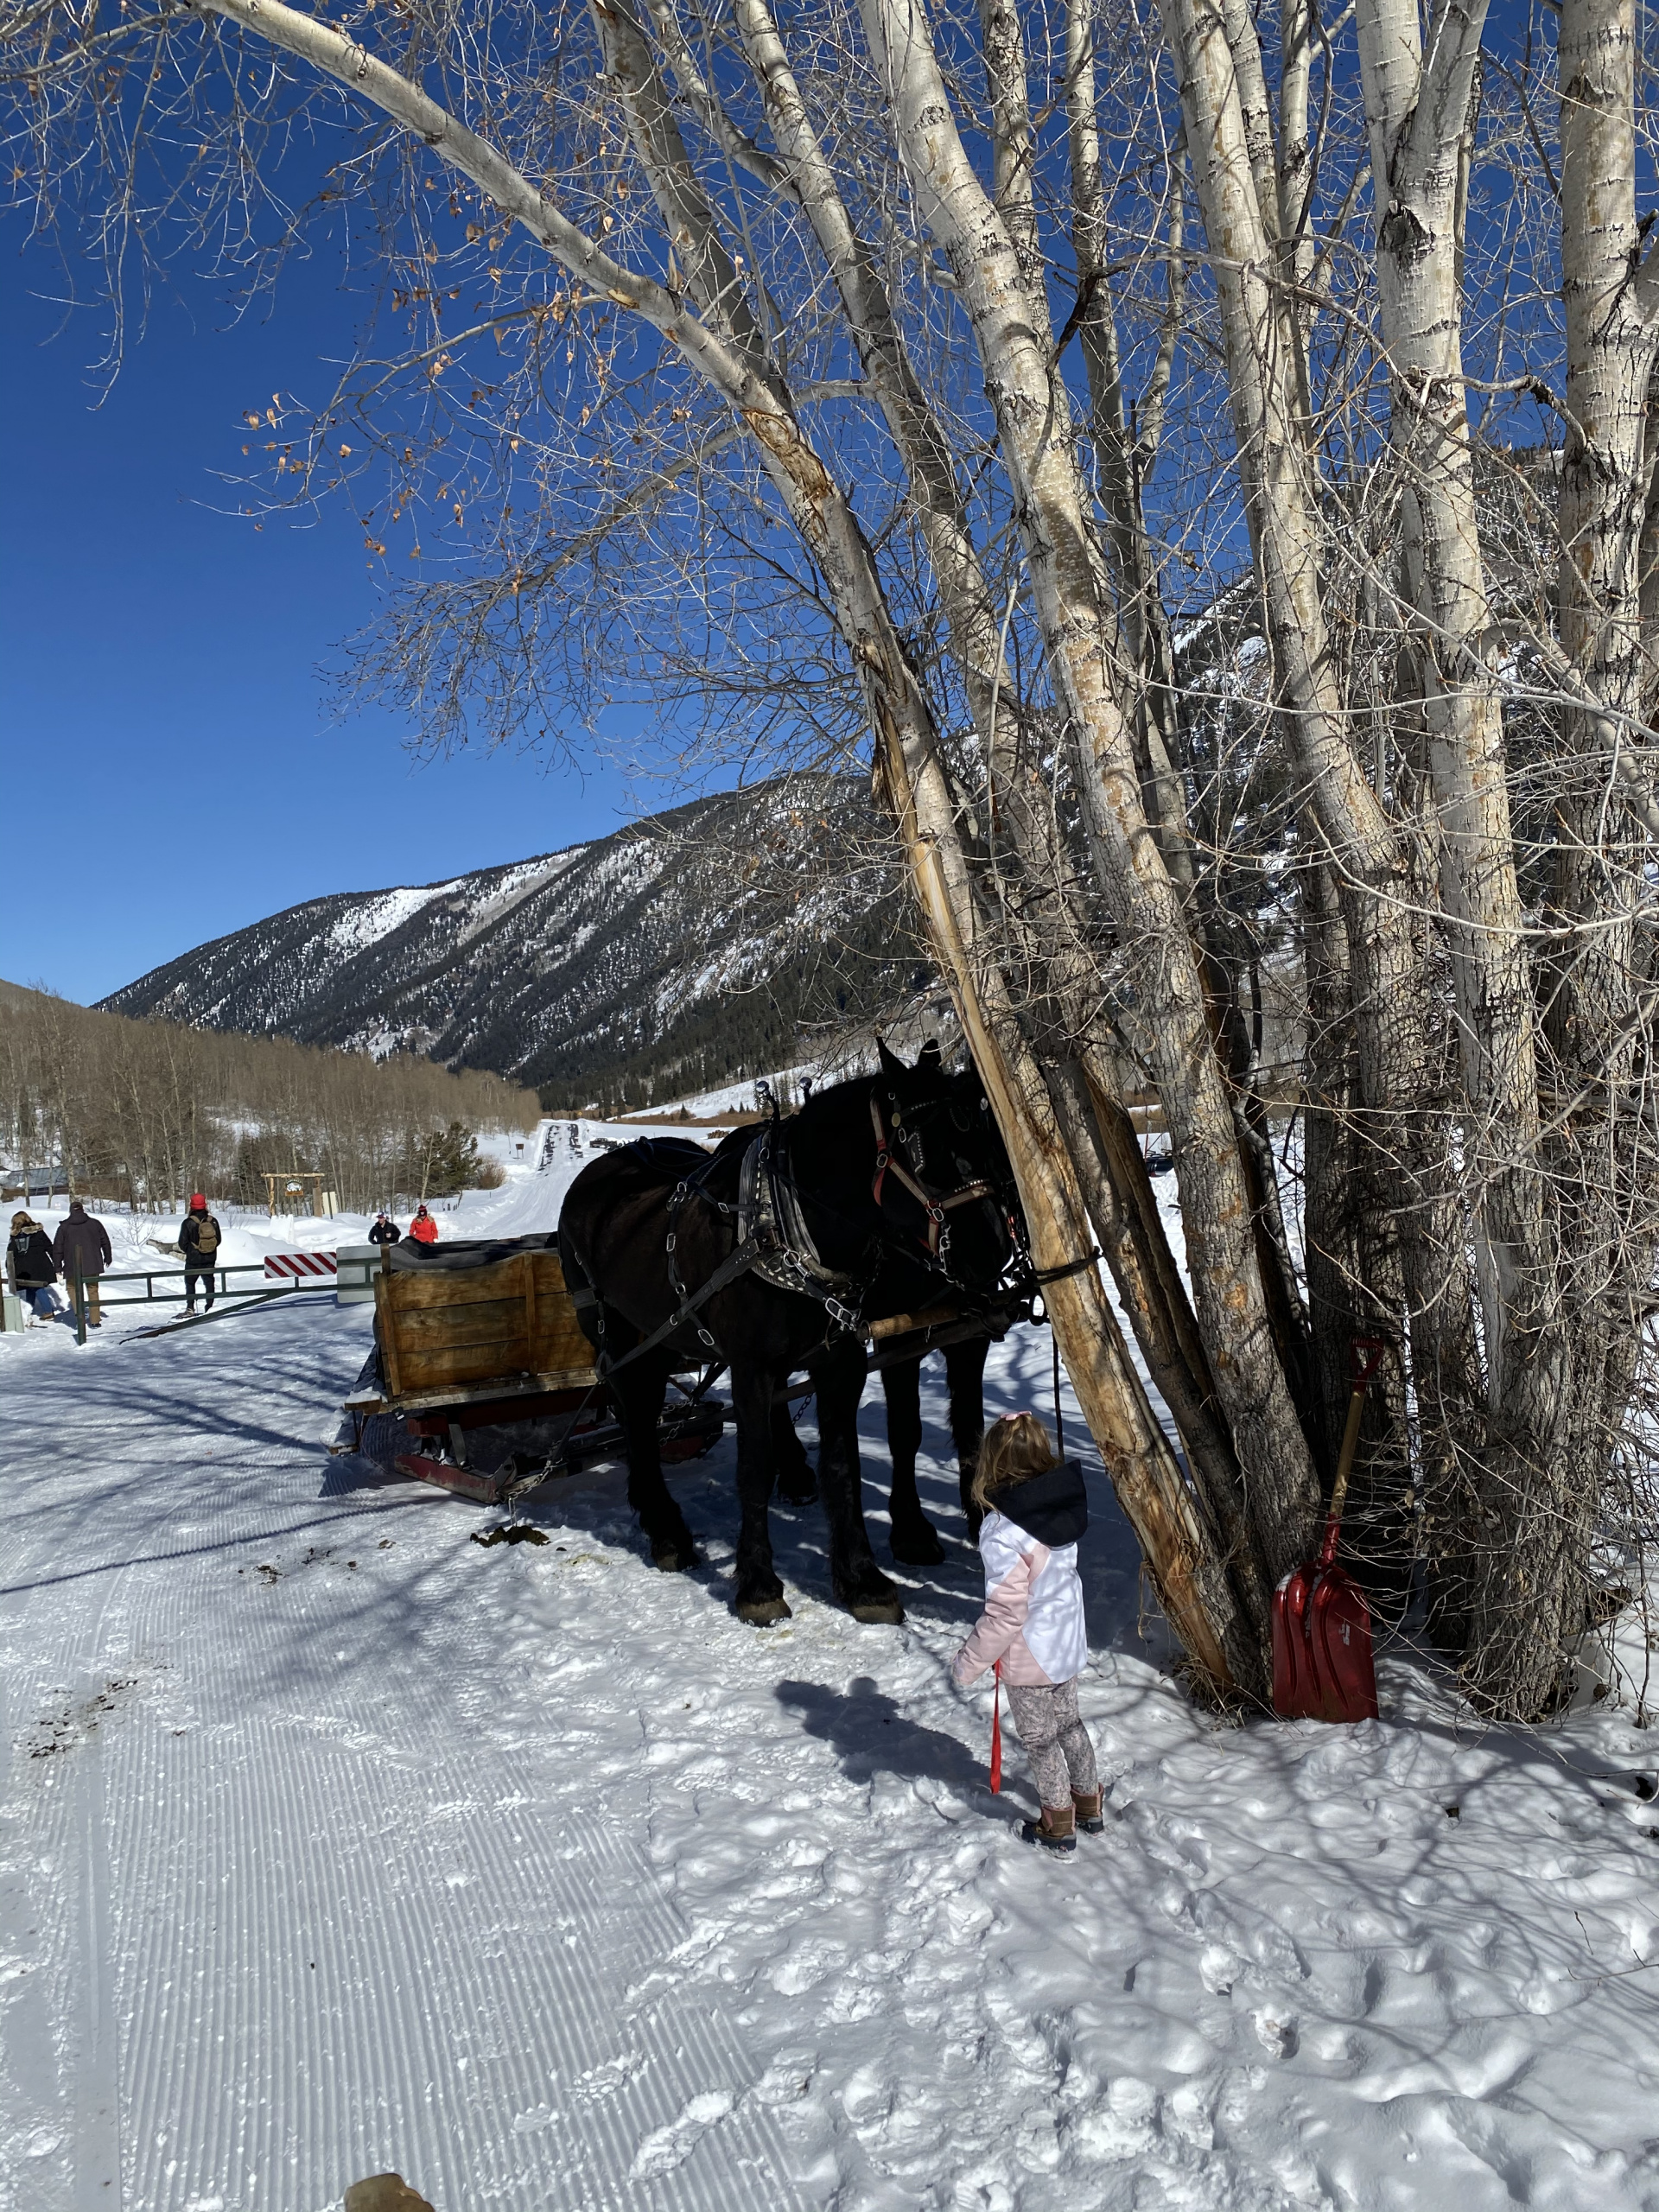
x: 332, y: 1843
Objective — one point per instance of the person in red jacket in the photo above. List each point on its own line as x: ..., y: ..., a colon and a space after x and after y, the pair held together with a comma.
x: 424, y: 1229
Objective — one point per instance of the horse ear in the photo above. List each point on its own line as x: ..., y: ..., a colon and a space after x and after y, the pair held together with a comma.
x: 930, y: 1060
x: 891, y: 1063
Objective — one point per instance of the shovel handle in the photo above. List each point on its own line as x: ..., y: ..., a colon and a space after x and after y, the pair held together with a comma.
x: 1367, y: 1353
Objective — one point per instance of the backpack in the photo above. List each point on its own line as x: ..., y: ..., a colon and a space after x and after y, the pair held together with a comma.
x: 206, y: 1234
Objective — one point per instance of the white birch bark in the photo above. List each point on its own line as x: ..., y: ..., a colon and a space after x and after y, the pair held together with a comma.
x: 1417, y: 112
x: 1219, y: 71
x: 1072, y: 606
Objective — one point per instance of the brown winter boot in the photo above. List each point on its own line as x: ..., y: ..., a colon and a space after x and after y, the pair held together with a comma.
x: 1087, y: 1811
x: 1055, y: 1831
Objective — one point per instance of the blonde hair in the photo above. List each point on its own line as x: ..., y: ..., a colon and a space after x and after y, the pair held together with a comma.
x: 1015, y: 1447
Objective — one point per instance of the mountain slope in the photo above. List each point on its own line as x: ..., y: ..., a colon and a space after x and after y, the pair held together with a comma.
x: 682, y: 951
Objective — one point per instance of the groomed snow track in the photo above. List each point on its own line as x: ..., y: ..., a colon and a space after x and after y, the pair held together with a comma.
x: 292, y: 1933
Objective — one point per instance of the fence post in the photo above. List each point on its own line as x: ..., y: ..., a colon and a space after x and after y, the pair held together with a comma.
x: 80, y: 1306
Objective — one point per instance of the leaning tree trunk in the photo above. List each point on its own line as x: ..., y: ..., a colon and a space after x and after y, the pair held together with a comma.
x: 1069, y: 592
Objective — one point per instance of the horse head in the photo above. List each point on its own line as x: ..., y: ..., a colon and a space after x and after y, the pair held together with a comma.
x: 941, y: 1177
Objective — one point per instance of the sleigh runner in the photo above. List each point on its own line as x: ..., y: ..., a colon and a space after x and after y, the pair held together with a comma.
x: 479, y: 1355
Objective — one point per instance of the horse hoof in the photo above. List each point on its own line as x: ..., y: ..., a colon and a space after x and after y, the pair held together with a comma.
x: 881, y: 1613
x: 798, y: 1497
x: 675, y: 1556
x: 918, y: 1547
x: 761, y: 1612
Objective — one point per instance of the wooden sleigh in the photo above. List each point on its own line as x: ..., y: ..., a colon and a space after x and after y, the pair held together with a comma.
x: 485, y: 1337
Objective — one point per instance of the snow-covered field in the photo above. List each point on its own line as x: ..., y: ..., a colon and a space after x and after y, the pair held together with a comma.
x: 527, y: 1201
x: 333, y: 1843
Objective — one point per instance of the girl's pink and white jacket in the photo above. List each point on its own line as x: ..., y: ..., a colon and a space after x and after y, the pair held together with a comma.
x: 1034, y: 1619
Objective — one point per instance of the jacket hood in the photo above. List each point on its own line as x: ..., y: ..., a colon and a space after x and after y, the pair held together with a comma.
x: 77, y: 1211
x: 1052, y: 1507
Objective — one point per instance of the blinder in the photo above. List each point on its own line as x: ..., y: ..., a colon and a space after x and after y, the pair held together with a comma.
x: 894, y: 1138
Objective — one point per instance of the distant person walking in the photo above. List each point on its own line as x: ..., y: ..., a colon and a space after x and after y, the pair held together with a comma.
x: 81, y: 1248
x: 30, y: 1269
x: 199, y: 1240
x: 424, y: 1229
x: 385, y: 1231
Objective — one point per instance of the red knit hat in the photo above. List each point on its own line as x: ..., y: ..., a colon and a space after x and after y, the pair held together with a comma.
x: 196, y: 1199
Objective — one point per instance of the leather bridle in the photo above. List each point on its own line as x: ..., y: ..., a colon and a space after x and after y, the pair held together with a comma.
x: 888, y: 1161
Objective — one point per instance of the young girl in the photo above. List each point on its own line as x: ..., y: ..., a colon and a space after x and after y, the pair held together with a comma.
x: 1034, y: 1512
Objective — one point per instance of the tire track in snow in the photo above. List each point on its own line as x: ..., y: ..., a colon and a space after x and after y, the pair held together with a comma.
x: 97, y: 2091
x: 64, y: 2045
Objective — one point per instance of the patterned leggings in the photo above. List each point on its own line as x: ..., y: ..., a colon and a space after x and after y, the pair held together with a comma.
x: 1056, y: 1741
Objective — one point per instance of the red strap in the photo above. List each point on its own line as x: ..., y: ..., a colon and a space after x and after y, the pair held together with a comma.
x: 996, y: 1729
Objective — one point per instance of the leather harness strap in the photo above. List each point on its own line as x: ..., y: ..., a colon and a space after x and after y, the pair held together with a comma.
x: 773, y: 1238
x: 888, y: 1163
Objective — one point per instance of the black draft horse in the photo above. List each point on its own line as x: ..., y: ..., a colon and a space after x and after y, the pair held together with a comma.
x: 903, y: 1191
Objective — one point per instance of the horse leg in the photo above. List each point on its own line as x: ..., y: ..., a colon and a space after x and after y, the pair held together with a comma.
x: 964, y: 1366
x: 915, y: 1541
x: 637, y: 1393
x: 760, y: 1596
x: 838, y: 1372
x: 797, y: 1483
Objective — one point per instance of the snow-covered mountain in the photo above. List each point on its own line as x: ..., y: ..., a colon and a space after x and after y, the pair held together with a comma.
x: 680, y: 952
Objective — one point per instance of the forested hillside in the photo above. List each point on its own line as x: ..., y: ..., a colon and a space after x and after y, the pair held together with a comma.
x: 684, y: 951
x: 149, y: 1111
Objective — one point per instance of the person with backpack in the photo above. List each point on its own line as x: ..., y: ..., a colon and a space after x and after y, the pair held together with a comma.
x: 81, y: 1248
x: 30, y: 1269
x: 424, y: 1229
x: 199, y: 1240
x: 385, y: 1231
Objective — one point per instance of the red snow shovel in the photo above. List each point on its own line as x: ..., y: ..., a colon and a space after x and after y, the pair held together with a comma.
x: 1322, y: 1666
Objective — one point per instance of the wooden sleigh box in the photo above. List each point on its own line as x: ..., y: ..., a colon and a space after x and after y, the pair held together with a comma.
x: 488, y: 1328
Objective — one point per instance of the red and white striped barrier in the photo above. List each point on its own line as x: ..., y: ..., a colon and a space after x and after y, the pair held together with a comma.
x: 301, y: 1263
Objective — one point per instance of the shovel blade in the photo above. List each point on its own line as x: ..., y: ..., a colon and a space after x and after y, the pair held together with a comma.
x: 1339, y: 1639
x: 1295, y: 1689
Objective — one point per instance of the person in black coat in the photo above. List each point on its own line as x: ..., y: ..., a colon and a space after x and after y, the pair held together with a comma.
x: 385, y: 1231
x: 30, y: 1269
x: 81, y: 1248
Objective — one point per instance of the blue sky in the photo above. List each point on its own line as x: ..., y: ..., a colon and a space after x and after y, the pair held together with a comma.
x: 170, y: 764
